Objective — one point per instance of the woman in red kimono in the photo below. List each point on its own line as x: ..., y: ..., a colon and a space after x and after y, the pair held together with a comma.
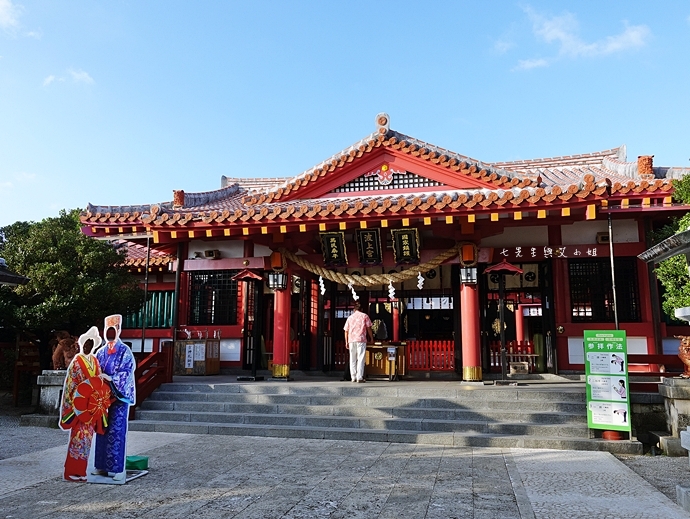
x: 85, y: 400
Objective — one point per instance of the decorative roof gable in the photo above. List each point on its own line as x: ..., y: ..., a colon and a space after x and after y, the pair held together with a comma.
x: 389, y: 173
x: 373, y: 163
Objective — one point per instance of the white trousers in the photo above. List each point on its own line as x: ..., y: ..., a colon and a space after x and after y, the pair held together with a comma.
x: 357, y: 356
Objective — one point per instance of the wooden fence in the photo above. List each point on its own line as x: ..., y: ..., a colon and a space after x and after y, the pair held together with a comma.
x: 419, y: 356
x: 516, y: 351
x: 430, y: 355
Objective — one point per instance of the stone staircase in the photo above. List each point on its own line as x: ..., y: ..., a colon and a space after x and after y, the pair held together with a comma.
x: 447, y: 413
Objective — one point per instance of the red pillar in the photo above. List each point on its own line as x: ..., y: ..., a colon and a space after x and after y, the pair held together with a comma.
x: 520, y: 324
x: 471, y: 342
x: 396, y: 321
x: 281, y: 332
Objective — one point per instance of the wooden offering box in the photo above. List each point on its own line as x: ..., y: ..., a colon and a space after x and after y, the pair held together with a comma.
x: 385, y: 359
x: 197, y: 357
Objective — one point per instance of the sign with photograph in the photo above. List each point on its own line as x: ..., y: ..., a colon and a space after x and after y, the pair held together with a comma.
x: 405, y: 246
x: 333, y: 248
x: 606, y: 371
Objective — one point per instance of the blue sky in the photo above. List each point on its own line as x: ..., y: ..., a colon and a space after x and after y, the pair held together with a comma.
x: 122, y: 102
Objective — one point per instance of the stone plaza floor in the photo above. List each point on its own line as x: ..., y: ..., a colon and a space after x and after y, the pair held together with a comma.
x: 203, y: 476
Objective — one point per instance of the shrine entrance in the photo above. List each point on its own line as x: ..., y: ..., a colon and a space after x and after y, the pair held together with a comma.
x: 528, y: 319
x: 424, y: 319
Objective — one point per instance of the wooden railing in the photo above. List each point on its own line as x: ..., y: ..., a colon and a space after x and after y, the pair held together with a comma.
x: 516, y: 351
x: 419, y: 355
x: 430, y: 355
x: 154, y: 369
x: 643, y: 365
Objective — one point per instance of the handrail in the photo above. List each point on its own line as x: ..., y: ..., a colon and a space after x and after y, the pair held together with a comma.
x: 151, y: 372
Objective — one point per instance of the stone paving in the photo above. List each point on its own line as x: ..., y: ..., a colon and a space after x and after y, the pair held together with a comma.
x: 204, y: 476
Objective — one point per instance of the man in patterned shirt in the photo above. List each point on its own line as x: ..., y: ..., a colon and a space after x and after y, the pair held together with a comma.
x: 357, y: 330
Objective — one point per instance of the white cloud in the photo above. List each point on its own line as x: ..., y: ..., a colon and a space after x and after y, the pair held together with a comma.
x: 23, y: 176
x: 9, y: 15
x: 18, y: 180
x: 52, y: 79
x: 563, y: 31
x: 79, y: 76
x: 528, y: 64
x: 503, y: 46
x: 35, y: 34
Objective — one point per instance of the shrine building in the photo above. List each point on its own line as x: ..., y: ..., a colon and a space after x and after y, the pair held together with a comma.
x: 269, y: 268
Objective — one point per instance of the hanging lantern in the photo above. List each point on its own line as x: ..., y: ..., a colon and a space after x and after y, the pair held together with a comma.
x: 277, y: 280
x: 468, y: 275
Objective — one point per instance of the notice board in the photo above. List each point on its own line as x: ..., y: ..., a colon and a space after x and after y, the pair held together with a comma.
x: 606, y: 370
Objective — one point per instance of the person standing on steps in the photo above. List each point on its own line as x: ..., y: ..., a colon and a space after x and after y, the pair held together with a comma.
x: 357, y: 331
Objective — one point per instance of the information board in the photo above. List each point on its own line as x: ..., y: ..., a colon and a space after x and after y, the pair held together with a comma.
x: 606, y: 370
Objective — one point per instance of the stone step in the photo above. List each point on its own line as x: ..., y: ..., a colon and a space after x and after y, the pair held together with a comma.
x: 356, y: 422
x: 397, y: 390
x: 545, y: 404
x: 464, y: 439
x: 574, y: 415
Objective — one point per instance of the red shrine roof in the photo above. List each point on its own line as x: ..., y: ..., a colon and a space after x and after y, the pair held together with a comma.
x: 136, y: 255
x: 414, y: 178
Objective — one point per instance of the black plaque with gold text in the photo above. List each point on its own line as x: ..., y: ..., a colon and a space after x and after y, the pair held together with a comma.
x: 333, y: 247
x: 369, y: 246
x: 405, y: 246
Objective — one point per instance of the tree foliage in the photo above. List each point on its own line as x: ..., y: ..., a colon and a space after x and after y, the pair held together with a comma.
x: 673, y: 272
x: 75, y: 280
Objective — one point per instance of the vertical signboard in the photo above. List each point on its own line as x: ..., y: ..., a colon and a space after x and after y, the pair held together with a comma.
x: 369, y: 246
x: 606, y: 370
x: 333, y: 248
x: 405, y: 246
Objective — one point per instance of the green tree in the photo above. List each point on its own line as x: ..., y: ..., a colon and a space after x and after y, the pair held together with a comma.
x: 75, y: 280
x: 673, y: 272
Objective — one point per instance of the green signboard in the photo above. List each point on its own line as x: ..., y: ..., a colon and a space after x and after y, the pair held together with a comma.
x: 606, y: 370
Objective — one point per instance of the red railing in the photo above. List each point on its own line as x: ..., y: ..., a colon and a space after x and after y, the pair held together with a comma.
x: 419, y: 356
x: 154, y: 369
x: 516, y: 351
x: 430, y: 355
x: 642, y: 366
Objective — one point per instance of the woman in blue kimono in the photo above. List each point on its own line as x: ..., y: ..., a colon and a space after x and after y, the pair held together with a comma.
x: 117, y: 367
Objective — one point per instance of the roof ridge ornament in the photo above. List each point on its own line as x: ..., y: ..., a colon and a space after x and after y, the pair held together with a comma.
x: 383, y: 123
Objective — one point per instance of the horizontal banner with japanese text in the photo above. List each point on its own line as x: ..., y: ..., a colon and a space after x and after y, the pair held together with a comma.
x: 516, y: 254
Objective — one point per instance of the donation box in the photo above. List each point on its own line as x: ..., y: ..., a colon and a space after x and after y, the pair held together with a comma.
x: 197, y: 357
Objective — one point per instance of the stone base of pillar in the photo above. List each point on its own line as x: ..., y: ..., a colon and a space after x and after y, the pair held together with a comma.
x: 472, y: 373
x: 281, y: 370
